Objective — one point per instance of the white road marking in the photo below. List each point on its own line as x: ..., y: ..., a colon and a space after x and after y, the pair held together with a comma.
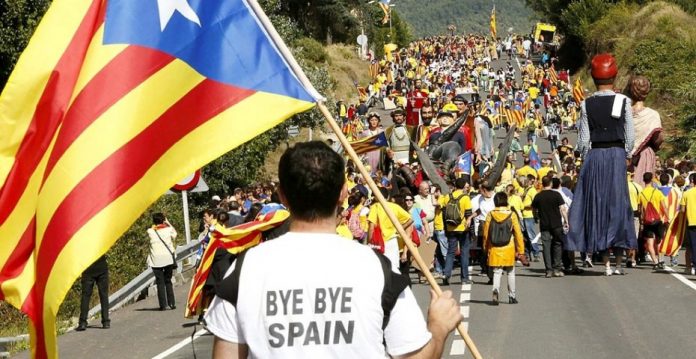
x: 465, y: 311
x: 458, y: 347
x: 681, y: 278
x: 466, y: 287
x: 464, y: 297
x: 179, y: 345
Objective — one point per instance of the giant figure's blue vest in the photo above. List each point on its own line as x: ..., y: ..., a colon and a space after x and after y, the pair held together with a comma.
x: 603, y: 127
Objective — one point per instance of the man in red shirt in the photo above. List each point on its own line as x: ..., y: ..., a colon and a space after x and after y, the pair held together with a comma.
x: 414, y: 101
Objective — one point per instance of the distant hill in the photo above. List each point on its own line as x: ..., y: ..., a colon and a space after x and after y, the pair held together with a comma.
x: 431, y: 17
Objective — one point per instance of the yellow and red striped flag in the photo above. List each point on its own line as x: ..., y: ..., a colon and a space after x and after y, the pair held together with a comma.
x: 110, y: 105
x: 578, y: 93
x: 514, y: 117
x: 553, y: 76
x: 234, y: 240
x: 494, y: 32
x: 674, y: 237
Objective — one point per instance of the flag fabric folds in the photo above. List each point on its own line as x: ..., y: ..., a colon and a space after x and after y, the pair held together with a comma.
x: 494, y: 32
x: 234, y: 240
x: 534, y: 160
x: 674, y: 237
x: 110, y: 104
x: 369, y: 144
x: 553, y: 75
x: 514, y: 117
x: 465, y: 163
x: 578, y: 93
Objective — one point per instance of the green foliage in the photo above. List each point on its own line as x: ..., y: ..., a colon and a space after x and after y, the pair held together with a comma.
x: 400, y: 32
x: 311, y: 50
x: 432, y: 17
x: 18, y: 19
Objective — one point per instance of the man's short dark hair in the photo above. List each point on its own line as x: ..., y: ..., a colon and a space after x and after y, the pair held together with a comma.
x: 664, y: 179
x: 460, y: 183
x: 500, y: 199
x: 158, y: 218
x: 692, y: 178
x: 311, y: 177
x: 546, y: 181
x: 647, y: 177
x: 555, y: 183
x: 566, y: 181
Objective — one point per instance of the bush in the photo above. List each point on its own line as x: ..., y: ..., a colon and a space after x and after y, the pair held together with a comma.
x: 311, y: 50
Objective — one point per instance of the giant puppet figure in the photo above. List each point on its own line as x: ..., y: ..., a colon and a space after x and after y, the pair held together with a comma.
x: 601, y: 216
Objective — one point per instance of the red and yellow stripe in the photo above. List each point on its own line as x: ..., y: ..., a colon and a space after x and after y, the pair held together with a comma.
x: 674, y: 237
x: 90, y: 136
x: 578, y: 93
x: 234, y: 240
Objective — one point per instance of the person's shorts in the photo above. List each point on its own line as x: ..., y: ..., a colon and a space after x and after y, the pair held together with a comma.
x: 653, y: 231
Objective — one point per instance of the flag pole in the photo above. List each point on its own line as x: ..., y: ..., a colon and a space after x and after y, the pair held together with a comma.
x: 297, y: 70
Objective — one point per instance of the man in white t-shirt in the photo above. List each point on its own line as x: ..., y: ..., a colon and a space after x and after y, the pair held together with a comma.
x: 481, y: 205
x: 282, y: 300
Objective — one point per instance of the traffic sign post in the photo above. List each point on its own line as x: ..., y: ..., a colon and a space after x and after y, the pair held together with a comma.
x: 192, y: 183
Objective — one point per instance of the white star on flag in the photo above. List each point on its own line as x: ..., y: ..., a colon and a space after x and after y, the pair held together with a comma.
x: 168, y: 7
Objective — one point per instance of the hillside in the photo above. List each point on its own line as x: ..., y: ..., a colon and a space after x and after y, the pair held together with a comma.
x: 657, y: 40
x: 431, y: 17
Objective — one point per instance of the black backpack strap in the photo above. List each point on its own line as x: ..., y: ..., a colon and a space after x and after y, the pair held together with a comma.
x: 228, y: 288
x: 394, y: 284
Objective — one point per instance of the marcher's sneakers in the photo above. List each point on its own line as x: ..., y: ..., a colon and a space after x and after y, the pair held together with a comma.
x: 558, y: 273
x: 467, y: 281
x: 619, y: 271
x: 574, y: 271
x: 512, y: 300
x: 548, y: 274
x: 81, y: 328
x: 608, y: 272
x: 172, y: 307
x: 536, y: 258
x: 587, y: 263
x: 106, y: 325
x: 692, y: 271
x: 495, y: 297
x: 661, y: 265
x: 445, y: 281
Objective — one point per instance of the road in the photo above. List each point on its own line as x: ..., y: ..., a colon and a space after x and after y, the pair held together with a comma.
x: 644, y: 314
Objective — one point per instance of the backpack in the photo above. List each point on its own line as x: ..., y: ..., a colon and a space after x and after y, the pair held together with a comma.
x: 500, y: 233
x: 651, y: 216
x: 354, y: 226
x: 453, y: 215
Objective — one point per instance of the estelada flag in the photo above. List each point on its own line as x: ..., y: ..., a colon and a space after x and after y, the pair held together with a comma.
x: 578, y: 93
x: 534, y: 160
x: 110, y: 104
x: 369, y: 144
x: 233, y: 240
x: 674, y: 237
x: 465, y: 163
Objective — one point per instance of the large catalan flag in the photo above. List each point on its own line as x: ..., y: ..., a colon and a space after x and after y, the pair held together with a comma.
x: 369, y: 144
x: 233, y: 240
x: 110, y: 104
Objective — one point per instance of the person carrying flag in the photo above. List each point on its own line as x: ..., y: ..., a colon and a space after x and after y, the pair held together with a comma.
x: 600, y: 216
x: 688, y: 206
x: 367, y: 312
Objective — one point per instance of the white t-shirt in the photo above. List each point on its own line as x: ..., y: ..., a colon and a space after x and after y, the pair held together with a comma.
x: 302, y: 291
x: 483, y: 204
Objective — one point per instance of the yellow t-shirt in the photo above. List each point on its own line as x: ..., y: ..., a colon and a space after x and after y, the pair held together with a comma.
x: 438, y: 222
x: 527, y: 203
x: 688, y: 202
x: 634, y: 190
x: 379, y: 217
x: 533, y: 92
x: 542, y: 172
x: 652, y: 195
x: 343, y: 231
x: 515, y: 203
x: 464, y: 205
x: 527, y: 170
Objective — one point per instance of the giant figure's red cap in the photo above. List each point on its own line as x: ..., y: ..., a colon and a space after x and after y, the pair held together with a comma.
x: 604, y: 67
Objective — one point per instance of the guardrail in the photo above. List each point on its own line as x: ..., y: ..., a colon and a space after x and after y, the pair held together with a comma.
x: 124, y: 295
